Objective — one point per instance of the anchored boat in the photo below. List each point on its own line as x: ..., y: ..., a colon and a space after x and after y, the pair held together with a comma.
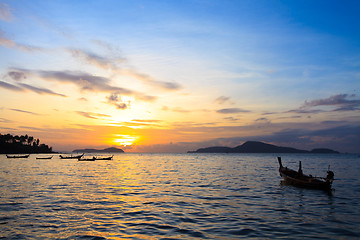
x: 87, y: 159
x: 18, y: 156
x: 298, y: 179
x: 48, y: 157
x: 71, y: 156
x: 104, y: 158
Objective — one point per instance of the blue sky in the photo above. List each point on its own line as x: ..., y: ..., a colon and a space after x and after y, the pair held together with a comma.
x: 193, y: 72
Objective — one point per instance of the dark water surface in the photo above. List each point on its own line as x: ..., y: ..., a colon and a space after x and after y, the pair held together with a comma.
x: 177, y: 196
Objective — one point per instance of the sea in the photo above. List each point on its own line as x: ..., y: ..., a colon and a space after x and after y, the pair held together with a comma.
x: 177, y: 196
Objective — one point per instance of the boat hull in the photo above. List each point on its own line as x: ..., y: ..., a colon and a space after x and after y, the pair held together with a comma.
x: 44, y: 157
x: 71, y: 157
x: 86, y: 159
x: 104, y: 158
x: 18, y: 156
x: 309, y: 183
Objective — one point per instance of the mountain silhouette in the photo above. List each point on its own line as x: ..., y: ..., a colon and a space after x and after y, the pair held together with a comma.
x: 259, y: 147
x: 106, y: 150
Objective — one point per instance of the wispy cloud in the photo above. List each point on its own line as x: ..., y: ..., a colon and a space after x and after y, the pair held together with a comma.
x: 342, y: 102
x: 138, y: 124
x: 88, y: 82
x: 107, y: 46
x: 10, y: 87
x: 175, y: 109
x: 290, y: 117
x: 148, y: 79
x: 92, y: 115
x: 85, y: 81
x: 223, y: 100
x: 141, y: 123
x: 5, y: 12
x: 146, y: 121
x: 305, y: 111
x: 116, y: 100
x: 232, y: 119
x: 10, y: 129
x: 9, y: 43
x: 96, y: 60
x: 41, y: 90
x: 24, y: 111
x: 269, y: 113
x: 114, y: 65
x: 188, y: 125
x: 262, y: 120
x: 31, y: 128
x: 16, y: 75
x: 232, y: 110
x: 4, y: 120
x: 19, y: 76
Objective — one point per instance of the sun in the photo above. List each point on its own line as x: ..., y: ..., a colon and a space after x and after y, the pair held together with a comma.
x: 125, y: 140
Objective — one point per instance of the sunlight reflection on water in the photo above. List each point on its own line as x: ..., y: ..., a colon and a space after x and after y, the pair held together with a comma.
x: 176, y: 196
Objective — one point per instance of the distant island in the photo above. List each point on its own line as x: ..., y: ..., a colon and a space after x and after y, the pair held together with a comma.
x: 106, y: 150
x: 259, y: 147
x: 10, y: 144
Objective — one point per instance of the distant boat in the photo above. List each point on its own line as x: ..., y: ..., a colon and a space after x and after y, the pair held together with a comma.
x: 71, y: 156
x: 87, y: 159
x: 44, y: 157
x: 18, y: 156
x: 104, y: 158
x: 298, y: 179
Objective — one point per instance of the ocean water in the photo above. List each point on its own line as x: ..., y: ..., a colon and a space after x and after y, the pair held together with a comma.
x: 177, y: 196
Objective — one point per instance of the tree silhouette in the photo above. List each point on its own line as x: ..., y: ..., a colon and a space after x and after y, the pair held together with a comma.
x: 22, y: 139
x: 30, y: 140
x: 22, y: 144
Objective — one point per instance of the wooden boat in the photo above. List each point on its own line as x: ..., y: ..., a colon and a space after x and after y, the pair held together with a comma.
x: 18, y: 156
x: 104, y: 158
x: 87, y: 159
x: 44, y: 157
x: 298, y: 179
x: 71, y: 156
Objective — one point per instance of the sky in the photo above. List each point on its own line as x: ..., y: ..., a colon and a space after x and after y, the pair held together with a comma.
x: 174, y: 76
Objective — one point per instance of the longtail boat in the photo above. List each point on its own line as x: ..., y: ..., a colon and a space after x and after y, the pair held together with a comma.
x: 104, y: 158
x: 298, y: 179
x: 18, y: 156
x: 49, y: 157
x: 71, y: 156
x: 87, y: 159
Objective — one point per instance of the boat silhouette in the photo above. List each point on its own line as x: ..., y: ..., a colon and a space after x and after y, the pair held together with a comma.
x: 298, y: 179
